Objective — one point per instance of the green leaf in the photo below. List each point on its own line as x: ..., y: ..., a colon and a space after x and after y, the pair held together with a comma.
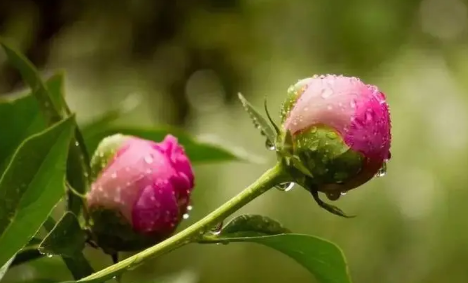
x: 198, y: 150
x: 32, y: 185
x: 252, y: 225
x: 31, y: 76
x: 53, y: 106
x: 39, y: 280
x: 78, y: 265
x: 259, y: 122
x: 21, y: 118
x: 322, y: 258
x: 66, y: 239
x: 4, y: 268
x: 78, y: 158
x: 28, y: 253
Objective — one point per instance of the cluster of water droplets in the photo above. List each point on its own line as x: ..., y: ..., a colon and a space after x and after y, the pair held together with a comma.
x: 187, y: 214
x: 45, y: 253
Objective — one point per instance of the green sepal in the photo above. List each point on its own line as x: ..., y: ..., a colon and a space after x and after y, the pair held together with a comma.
x: 112, y: 232
x: 320, y: 154
x: 266, y: 129
x: 105, y: 152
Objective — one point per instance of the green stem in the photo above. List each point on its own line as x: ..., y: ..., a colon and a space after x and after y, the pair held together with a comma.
x: 269, y: 179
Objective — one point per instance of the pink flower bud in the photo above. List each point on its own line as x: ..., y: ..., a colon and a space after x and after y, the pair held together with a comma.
x: 141, y: 193
x: 340, y: 130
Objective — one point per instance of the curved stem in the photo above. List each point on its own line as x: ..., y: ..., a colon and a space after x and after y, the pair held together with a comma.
x: 269, y: 179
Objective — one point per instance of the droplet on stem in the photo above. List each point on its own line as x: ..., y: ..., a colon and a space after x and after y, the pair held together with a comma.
x: 217, y: 229
x: 285, y: 187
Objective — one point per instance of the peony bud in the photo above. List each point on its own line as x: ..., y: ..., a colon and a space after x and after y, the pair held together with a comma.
x: 140, y: 191
x: 339, y: 129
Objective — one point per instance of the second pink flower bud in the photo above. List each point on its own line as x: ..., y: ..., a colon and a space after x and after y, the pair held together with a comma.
x: 140, y: 192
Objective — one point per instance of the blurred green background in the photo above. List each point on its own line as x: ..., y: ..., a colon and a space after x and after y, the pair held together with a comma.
x: 188, y: 59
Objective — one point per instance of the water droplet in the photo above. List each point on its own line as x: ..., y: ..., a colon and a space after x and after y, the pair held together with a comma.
x: 114, y: 175
x: 333, y: 195
x: 149, y: 159
x: 285, y: 187
x: 314, y: 145
x: 49, y: 255
x: 343, y: 193
x: 329, y: 107
x: 270, y: 145
x: 217, y: 229
x: 189, y: 208
x: 332, y: 135
x: 185, y: 216
x: 77, y: 143
x: 382, y: 171
x: 327, y: 93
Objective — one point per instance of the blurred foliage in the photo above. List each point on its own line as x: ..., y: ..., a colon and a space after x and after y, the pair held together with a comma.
x: 188, y: 59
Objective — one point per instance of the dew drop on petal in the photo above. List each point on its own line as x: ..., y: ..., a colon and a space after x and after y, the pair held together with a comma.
x: 114, y: 175
x: 185, y: 216
x: 382, y: 171
x: 149, y: 159
x: 189, y: 208
x: 326, y: 93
